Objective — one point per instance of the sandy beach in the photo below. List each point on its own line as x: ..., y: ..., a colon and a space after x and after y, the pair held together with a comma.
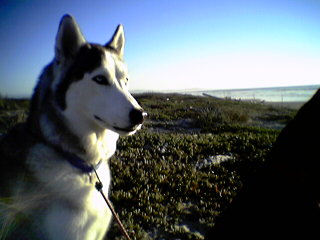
x: 284, y: 104
x: 290, y: 105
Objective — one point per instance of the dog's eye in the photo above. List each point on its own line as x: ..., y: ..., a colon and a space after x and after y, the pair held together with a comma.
x: 100, y: 79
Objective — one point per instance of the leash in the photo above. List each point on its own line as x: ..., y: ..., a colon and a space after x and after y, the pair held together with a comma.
x: 78, y: 163
x: 99, y: 187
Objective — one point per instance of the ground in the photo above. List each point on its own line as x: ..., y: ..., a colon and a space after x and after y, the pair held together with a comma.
x: 175, y: 176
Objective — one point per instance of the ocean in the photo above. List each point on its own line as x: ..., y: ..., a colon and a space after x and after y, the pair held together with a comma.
x: 273, y: 94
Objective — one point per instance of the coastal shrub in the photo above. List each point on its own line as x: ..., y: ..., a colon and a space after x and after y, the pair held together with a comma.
x: 204, y: 114
x: 12, y: 111
x: 165, y: 184
x: 157, y: 185
x: 13, y: 104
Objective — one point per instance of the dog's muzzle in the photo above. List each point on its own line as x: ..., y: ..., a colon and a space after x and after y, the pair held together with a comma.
x: 136, y: 118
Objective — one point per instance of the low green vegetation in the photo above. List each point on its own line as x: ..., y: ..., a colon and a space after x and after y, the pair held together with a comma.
x: 12, y: 111
x: 175, y: 176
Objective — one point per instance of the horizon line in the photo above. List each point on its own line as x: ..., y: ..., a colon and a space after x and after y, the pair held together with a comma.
x: 220, y: 89
x: 136, y: 91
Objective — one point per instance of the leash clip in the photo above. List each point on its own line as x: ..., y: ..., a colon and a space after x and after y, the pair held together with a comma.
x: 99, y: 187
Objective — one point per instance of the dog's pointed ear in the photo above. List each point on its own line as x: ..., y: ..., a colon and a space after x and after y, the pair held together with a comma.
x: 69, y: 39
x: 117, y: 41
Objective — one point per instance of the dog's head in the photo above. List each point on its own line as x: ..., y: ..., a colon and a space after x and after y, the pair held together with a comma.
x: 90, y: 83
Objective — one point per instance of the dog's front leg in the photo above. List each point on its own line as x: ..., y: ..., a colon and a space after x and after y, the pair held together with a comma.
x: 65, y: 223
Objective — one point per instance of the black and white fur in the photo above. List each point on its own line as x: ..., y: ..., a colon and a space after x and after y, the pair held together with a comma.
x: 80, y: 106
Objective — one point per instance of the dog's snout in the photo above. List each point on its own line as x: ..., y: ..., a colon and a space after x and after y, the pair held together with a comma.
x: 137, y: 116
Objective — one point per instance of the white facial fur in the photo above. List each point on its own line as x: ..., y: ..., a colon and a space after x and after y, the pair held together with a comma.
x: 93, y: 106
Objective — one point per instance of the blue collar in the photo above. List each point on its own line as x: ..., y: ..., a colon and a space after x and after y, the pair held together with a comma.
x: 79, y: 163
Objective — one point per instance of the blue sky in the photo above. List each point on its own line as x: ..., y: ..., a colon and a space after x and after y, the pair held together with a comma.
x: 172, y: 44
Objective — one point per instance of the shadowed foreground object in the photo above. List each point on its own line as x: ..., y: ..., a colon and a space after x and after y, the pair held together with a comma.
x: 281, y: 199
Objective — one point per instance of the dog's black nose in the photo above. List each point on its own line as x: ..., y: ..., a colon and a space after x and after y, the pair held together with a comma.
x: 137, y: 116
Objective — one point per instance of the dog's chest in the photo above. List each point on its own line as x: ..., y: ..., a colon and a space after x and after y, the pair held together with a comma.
x: 75, y: 209
x: 87, y: 215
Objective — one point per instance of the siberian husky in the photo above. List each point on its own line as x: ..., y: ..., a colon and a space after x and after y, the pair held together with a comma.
x: 80, y: 106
